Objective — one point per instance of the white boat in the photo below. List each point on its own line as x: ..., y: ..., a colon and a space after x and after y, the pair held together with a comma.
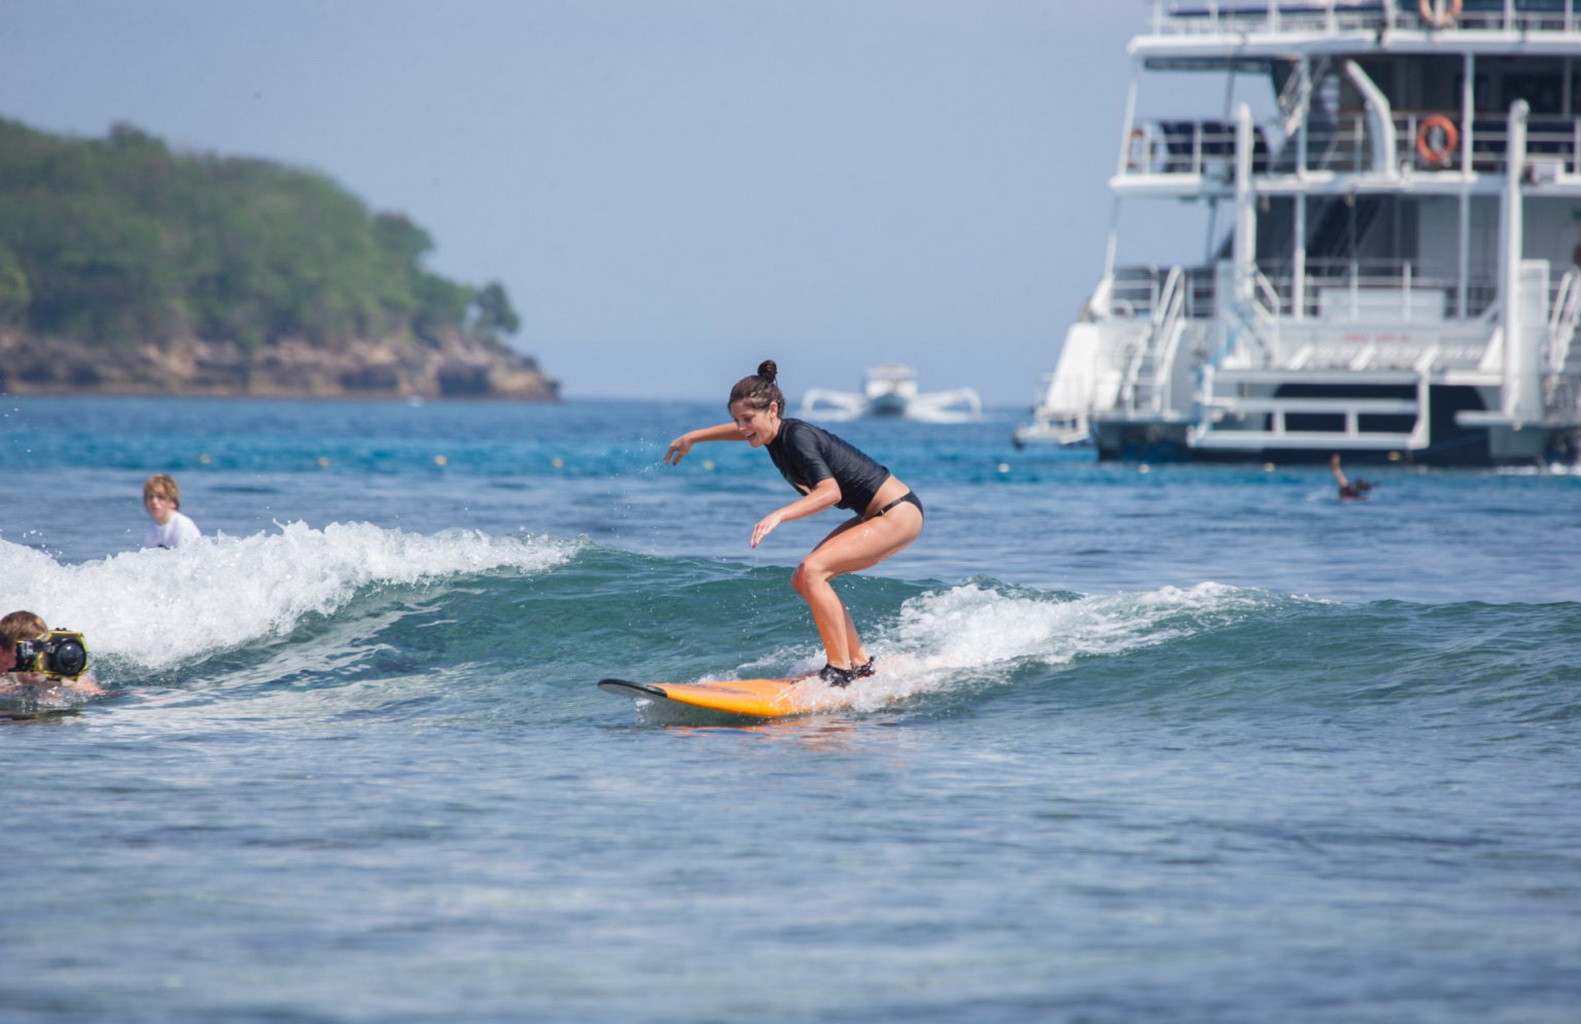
x: 1394, y: 276
x: 1060, y: 417
x: 890, y: 390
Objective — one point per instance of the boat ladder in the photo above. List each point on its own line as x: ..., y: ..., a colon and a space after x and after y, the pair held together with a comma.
x: 1145, y: 387
x: 1562, y: 380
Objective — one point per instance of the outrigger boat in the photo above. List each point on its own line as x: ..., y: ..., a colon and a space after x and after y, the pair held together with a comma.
x: 1397, y: 274
x: 890, y: 390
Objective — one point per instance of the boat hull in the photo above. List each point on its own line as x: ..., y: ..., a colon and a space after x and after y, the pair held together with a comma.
x: 1448, y: 441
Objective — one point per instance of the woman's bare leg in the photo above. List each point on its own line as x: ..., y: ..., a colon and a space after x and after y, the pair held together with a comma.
x: 854, y: 545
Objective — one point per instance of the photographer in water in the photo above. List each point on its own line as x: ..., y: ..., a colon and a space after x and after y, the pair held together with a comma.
x: 35, y: 661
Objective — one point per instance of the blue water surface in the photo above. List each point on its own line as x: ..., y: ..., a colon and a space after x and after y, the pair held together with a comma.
x: 1148, y: 744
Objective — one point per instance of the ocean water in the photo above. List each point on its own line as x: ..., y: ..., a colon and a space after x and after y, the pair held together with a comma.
x: 1161, y: 744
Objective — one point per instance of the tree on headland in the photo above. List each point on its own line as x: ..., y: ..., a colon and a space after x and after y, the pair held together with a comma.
x: 119, y: 241
x: 494, y: 312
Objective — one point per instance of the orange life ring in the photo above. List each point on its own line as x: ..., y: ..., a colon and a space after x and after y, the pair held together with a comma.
x: 1439, y: 13
x: 1436, y: 139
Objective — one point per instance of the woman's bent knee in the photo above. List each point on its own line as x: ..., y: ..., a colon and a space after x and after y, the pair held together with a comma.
x: 808, y: 575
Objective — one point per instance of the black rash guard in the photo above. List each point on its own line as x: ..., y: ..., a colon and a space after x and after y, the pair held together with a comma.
x: 807, y: 455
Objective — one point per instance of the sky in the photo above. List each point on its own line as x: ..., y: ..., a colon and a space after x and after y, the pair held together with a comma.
x: 670, y: 190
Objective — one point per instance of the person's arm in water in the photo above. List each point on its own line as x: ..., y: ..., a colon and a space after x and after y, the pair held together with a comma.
x: 84, y: 684
x: 1339, y: 474
x: 826, y: 494
x: 683, y: 444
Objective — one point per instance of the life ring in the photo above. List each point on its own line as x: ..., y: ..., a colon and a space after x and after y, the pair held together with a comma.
x: 1135, y: 149
x: 1436, y: 139
x: 1439, y: 13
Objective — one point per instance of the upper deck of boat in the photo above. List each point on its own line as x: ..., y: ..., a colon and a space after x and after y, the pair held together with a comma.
x: 1285, y: 28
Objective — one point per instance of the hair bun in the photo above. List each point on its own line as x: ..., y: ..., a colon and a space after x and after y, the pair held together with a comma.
x: 768, y: 371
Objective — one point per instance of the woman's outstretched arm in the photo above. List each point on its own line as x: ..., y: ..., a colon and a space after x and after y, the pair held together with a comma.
x: 683, y: 444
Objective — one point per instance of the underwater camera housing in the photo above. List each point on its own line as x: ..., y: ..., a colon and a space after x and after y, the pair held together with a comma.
x: 60, y: 653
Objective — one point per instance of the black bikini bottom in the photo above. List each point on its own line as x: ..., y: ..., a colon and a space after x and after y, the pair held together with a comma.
x: 910, y: 496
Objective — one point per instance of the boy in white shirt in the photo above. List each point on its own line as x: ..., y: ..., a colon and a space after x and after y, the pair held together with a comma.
x: 171, y: 528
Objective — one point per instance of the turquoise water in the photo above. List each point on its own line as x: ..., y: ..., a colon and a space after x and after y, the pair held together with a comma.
x: 1188, y: 744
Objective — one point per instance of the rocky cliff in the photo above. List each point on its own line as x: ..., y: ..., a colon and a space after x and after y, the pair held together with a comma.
x: 456, y: 367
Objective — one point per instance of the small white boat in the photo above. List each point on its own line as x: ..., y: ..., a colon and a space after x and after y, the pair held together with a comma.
x: 890, y: 391
x: 1059, y: 416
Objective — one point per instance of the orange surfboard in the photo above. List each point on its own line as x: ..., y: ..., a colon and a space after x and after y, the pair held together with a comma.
x: 757, y: 698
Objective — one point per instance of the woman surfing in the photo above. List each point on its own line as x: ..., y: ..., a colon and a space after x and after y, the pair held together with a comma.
x: 828, y: 472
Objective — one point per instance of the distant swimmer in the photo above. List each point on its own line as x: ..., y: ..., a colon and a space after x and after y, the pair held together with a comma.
x: 171, y: 528
x: 828, y: 472
x: 1349, y: 490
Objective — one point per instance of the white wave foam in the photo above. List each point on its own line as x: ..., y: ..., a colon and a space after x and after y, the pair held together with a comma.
x: 973, y: 626
x: 978, y: 631
x: 160, y: 608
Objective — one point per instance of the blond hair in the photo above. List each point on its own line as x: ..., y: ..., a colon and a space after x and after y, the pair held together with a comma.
x: 163, y: 485
x: 20, y: 626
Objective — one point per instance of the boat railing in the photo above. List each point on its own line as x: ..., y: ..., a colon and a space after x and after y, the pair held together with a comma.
x: 1137, y: 293
x: 1424, y: 141
x: 1552, y: 138
x: 1192, y: 147
x: 1332, y: 290
x: 1329, y: 17
x: 1373, y: 289
x: 1202, y: 18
